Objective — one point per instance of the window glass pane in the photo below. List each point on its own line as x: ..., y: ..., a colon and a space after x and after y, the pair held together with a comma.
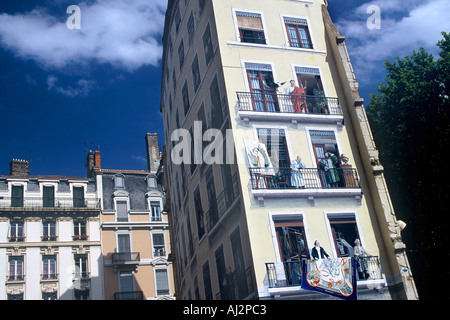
x: 162, y: 282
x: 122, y: 211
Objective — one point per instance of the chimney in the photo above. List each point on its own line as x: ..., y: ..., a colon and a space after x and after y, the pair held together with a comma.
x: 153, y: 155
x: 19, y: 168
x: 93, y: 163
x: 97, y: 160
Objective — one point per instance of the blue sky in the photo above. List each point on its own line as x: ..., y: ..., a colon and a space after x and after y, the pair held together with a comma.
x: 63, y: 91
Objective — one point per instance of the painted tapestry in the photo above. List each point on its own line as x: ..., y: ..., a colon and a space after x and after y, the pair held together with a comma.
x: 335, y: 277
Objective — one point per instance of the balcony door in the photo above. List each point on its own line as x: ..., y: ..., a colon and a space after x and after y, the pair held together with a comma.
x: 78, y: 197
x: 49, y: 197
x: 17, y: 196
x: 263, y: 93
x: 124, y: 247
x: 345, y: 231
x: 126, y: 285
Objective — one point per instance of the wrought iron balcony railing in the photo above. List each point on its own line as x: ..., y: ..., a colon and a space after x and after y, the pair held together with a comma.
x: 287, y: 103
x: 121, y: 258
x: 308, y: 178
x: 49, y: 204
x: 289, y: 273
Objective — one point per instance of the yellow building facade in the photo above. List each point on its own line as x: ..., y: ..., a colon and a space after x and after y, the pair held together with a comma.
x: 299, y: 162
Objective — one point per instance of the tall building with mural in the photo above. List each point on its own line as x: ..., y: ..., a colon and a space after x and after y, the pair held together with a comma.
x: 266, y: 89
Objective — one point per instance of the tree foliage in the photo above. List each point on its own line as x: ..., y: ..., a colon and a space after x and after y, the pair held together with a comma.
x: 409, y: 117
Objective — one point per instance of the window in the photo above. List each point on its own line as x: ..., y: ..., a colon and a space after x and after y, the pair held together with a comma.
x: 207, y: 45
x: 201, y: 6
x: 344, y: 230
x: 174, y: 79
x: 250, y: 27
x: 78, y: 197
x: 310, y: 79
x: 159, y: 248
x: 123, y: 243
x: 49, y: 267
x: 199, y: 213
x: 323, y: 142
x: 79, y: 229
x: 239, y: 265
x: 82, y: 294
x: 48, y: 230
x: 152, y: 181
x: 162, y: 282
x: 16, y: 268
x: 18, y: 296
x: 216, y: 105
x: 275, y: 141
x: 222, y: 274
x: 155, y: 208
x: 298, y: 33
x: 81, y: 266
x: 17, y: 196
x: 291, y: 238
x: 262, y: 87
x: 49, y: 296
x: 177, y: 19
x: 16, y: 233
x: 207, y: 281
x: 190, y: 27
x: 212, y: 198
x: 119, y: 181
x: 186, y: 103
x: 126, y: 285
x: 195, y: 73
x: 122, y: 211
x: 181, y: 54
x: 48, y: 196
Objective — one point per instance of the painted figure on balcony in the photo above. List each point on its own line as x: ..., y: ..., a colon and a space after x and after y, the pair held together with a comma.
x: 361, y: 256
x: 318, y: 250
x: 296, y: 174
x: 298, y: 97
x: 328, y: 167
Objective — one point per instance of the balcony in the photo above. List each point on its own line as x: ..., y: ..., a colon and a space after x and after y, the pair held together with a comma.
x: 129, y: 295
x: 289, y: 273
x: 288, y: 108
x: 81, y: 280
x: 48, y: 204
x: 125, y: 260
x: 314, y: 182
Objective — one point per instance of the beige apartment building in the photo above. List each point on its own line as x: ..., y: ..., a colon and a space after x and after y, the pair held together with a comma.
x: 134, y: 230
x: 298, y: 162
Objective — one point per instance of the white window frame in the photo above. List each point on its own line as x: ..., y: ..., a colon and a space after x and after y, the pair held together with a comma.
x: 159, y: 268
x: 122, y: 199
x: 286, y: 36
x: 294, y: 74
x: 286, y: 134
x: 341, y: 213
x: 289, y: 214
x: 153, y: 245
x: 236, y: 27
x: 310, y: 146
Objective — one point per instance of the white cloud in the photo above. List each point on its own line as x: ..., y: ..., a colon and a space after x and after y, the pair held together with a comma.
x: 81, y: 88
x: 122, y: 33
x: 405, y: 26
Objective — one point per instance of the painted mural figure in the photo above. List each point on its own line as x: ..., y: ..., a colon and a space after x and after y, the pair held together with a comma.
x: 328, y: 165
x: 296, y: 174
x: 297, y: 95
